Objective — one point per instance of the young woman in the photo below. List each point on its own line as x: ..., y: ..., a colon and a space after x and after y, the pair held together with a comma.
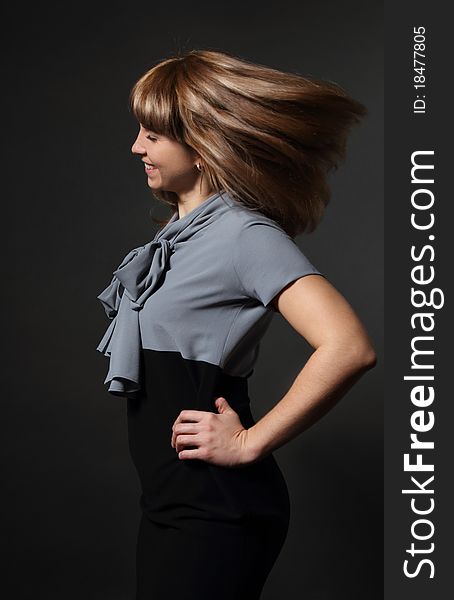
x: 240, y: 152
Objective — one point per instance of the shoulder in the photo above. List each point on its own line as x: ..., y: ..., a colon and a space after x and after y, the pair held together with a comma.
x: 263, y: 256
x: 241, y: 222
x: 255, y: 239
x: 253, y: 232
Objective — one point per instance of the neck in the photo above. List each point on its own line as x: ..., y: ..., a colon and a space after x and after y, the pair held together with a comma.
x: 187, y: 203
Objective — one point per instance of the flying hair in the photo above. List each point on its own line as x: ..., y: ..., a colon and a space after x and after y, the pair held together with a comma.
x: 266, y: 136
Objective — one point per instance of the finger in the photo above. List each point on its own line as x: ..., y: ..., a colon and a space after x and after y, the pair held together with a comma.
x: 185, y: 454
x: 177, y: 420
x: 186, y: 440
x: 191, y: 415
x: 185, y: 415
x: 191, y: 428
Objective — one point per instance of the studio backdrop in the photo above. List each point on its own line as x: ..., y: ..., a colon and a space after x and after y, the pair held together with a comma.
x: 76, y: 201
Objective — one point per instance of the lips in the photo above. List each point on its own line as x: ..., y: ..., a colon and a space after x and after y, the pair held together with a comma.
x: 149, y: 170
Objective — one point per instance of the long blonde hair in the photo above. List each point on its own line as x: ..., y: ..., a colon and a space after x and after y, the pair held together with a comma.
x: 267, y: 137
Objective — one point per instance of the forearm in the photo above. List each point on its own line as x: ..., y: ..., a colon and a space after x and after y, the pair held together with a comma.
x: 326, y: 377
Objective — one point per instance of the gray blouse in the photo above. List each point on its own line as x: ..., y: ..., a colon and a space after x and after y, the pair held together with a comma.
x: 202, y: 287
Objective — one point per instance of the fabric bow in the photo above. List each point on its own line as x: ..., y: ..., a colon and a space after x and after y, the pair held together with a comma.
x: 133, y: 282
x: 136, y: 278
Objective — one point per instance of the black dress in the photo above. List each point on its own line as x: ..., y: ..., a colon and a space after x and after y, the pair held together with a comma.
x: 188, y: 311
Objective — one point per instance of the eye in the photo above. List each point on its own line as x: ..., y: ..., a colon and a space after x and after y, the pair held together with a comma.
x: 153, y: 139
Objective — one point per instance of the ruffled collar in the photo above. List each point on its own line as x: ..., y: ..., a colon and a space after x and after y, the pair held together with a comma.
x: 134, y: 280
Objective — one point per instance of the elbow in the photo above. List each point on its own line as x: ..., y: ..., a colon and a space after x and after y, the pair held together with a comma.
x: 366, y: 357
x: 370, y: 359
x: 360, y: 355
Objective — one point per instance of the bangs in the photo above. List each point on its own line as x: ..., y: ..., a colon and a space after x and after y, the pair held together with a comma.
x: 154, y: 103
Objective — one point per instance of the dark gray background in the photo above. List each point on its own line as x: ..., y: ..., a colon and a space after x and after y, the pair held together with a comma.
x: 76, y: 200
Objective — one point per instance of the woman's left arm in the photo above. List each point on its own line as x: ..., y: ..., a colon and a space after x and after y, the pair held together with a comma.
x: 343, y: 353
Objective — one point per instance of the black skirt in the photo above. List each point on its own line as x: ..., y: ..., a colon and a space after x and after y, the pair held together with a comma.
x: 206, y: 531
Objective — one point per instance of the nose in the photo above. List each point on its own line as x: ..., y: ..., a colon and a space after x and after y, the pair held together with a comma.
x: 137, y: 147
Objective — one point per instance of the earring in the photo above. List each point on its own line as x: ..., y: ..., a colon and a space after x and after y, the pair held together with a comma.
x: 199, y: 167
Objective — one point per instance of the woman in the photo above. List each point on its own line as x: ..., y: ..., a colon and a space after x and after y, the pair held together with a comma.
x: 240, y: 152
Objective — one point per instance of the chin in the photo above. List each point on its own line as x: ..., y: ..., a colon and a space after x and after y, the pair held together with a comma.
x: 153, y: 185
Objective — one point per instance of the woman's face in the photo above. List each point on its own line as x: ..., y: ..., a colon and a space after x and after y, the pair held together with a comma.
x: 169, y: 165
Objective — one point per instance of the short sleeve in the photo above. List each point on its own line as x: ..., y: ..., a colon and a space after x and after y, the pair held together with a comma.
x: 266, y: 259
